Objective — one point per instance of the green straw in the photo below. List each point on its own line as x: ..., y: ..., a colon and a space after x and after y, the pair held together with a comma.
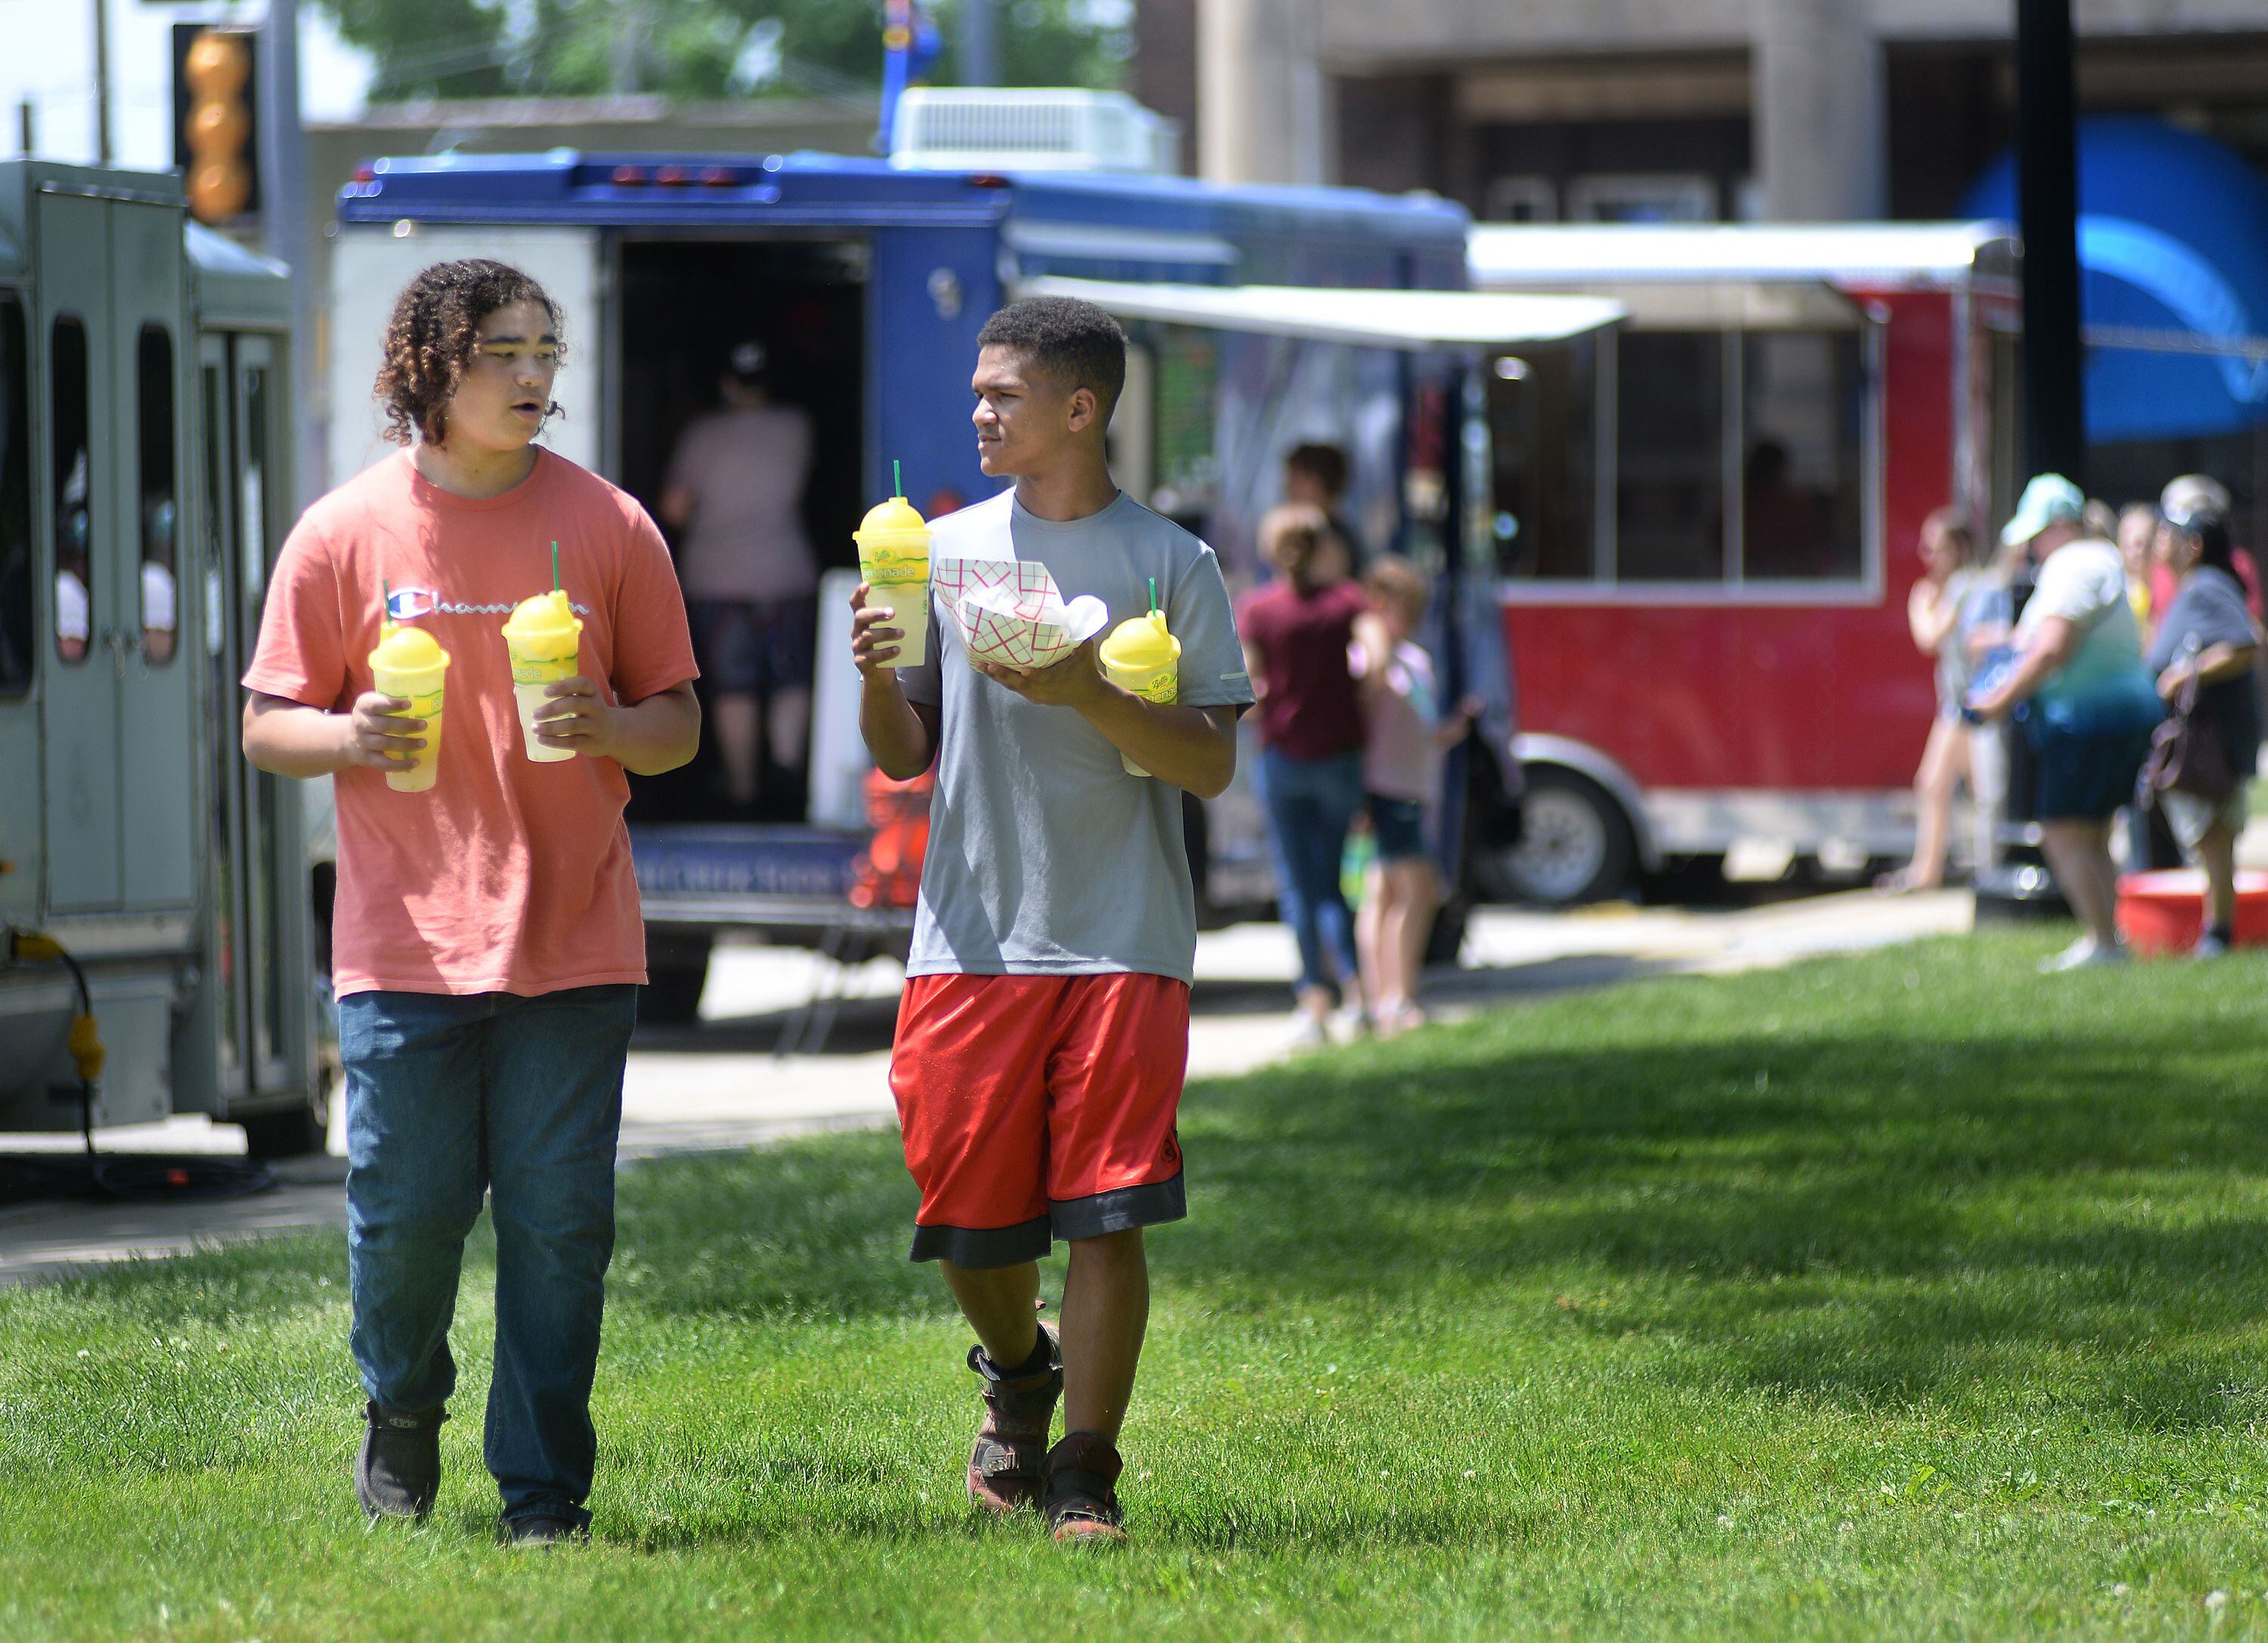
x: 1153, y: 595
x: 897, y: 479
x: 555, y: 567
x: 384, y: 602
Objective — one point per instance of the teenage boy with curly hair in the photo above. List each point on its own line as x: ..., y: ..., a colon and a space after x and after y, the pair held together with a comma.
x: 489, y: 942
x: 1045, y: 1031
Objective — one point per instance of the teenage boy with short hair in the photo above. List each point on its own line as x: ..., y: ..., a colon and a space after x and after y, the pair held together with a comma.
x: 489, y: 943
x: 1045, y: 1031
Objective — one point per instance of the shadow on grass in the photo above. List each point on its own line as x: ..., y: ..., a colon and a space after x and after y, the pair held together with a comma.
x: 1891, y: 1196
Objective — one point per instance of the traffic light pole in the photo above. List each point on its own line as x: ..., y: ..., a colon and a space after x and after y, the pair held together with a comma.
x: 2047, y: 206
x: 284, y: 212
x: 2054, y: 387
x: 102, y: 81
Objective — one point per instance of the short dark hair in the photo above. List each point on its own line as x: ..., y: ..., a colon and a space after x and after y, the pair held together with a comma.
x: 1073, y: 341
x: 432, y: 334
x: 1325, y: 464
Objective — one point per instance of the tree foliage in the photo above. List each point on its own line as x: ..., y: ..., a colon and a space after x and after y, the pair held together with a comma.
x: 701, y: 49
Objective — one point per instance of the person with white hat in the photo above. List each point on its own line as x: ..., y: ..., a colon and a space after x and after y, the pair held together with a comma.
x: 2088, y: 703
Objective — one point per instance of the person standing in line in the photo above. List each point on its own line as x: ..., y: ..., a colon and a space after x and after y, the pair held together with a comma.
x: 1949, y: 576
x: 1983, y: 630
x: 1297, y: 631
x: 1401, y: 779
x: 2208, y: 636
x: 735, y: 489
x: 2196, y: 496
x: 2090, y: 705
x: 1045, y: 1031
x: 1315, y: 476
x: 2138, y: 532
x: 488, y: 944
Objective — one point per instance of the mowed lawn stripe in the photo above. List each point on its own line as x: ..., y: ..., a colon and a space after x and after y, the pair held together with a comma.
x: 1911, y: 1294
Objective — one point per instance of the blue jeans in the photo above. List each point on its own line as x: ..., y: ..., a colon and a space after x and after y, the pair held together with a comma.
x: 1311, y: 803
x: 449, y: 1097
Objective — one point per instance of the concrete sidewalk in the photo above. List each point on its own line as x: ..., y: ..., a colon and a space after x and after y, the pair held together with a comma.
x: 719, y: 1086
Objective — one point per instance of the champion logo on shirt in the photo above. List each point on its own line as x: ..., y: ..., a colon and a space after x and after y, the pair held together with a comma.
x: 404, y: 603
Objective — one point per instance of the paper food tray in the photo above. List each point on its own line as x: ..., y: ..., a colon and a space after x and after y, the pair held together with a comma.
x: 1011, y: 612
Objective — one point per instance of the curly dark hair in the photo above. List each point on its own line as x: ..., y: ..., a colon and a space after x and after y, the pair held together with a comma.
x: 430, y: 337
x: 1074, y: 342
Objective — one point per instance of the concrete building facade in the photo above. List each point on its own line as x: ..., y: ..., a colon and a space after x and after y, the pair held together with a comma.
x: 1797, y: 110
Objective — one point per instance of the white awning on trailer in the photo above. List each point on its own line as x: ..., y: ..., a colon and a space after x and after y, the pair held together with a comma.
x: 1363, y: 318
x: 1558, y: 254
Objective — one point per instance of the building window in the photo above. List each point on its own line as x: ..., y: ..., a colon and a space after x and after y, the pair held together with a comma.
x: 16, y: 555
x: 1521, y: 200
x: 157, y: 499
x: 1648, y: 197
x: 72, y: 486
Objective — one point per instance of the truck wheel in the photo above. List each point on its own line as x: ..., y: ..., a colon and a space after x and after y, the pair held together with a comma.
x: 293, y: 1134
x: 1575, y: 844
x: 677, y: 969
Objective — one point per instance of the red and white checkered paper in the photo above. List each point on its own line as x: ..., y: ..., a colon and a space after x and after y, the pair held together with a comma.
x: 1011, y: 613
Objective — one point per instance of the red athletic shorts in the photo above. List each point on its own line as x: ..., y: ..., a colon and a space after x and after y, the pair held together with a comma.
x: 1038, y: 1107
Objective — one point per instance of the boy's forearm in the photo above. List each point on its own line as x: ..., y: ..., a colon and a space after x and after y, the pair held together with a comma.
x: 659, y: 733
x: 296, y: 740
x: 1192, y: 747
x: 892, y: 730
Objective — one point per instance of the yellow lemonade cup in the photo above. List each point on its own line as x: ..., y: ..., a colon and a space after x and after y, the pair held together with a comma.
x: 894, y: 563
x: 544, y: 639
x: 1142, y: 657
x: 410, y: 664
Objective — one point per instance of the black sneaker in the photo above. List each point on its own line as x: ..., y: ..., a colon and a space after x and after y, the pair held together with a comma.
x: 541, y: 1531
x: 399, y: 1472
x: 1082, y: 1492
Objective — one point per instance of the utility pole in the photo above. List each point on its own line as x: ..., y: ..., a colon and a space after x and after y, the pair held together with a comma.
x: 2047, y: 207
x: 27, y: 127
x: 284, y: 213
x: 626, y: 70
x: 102, y: 81
x: 977, y: 42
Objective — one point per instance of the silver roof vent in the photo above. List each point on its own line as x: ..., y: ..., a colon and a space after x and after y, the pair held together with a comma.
x: 999, y: 128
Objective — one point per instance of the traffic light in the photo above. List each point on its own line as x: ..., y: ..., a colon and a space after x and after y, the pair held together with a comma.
x: 215, y: 138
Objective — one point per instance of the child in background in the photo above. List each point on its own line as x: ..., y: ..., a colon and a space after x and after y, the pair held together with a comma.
x: 1401, y: 774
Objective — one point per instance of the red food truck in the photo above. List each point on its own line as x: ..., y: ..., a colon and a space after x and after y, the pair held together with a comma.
x: 1705, y: 524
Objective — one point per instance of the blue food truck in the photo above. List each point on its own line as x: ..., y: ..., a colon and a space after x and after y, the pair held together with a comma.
x: 1259, y: 317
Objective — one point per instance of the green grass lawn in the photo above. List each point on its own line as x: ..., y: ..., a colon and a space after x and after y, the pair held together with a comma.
x: 1910, y: 1295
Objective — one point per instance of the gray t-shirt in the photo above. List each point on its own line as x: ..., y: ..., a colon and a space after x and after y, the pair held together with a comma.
x: 1045, y: 856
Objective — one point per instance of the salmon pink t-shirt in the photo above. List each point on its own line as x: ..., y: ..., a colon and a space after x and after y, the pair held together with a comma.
x: 508, y: 875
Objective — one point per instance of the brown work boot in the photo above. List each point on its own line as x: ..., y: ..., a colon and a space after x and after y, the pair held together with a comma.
x: 1012, y: 1445
x: 1082, y: 1492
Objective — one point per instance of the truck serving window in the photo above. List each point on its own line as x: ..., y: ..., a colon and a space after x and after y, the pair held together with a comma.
x: 1802, y: 419
x: 1543, y: 427
x: 1669, y: 452
x: 16, y: 554
x: 71, y: 484
x: 1733, y: 458
x: 153, y: 364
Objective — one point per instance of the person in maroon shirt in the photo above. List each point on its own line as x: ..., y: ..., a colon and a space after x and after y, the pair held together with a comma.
x: 1296, y: 630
